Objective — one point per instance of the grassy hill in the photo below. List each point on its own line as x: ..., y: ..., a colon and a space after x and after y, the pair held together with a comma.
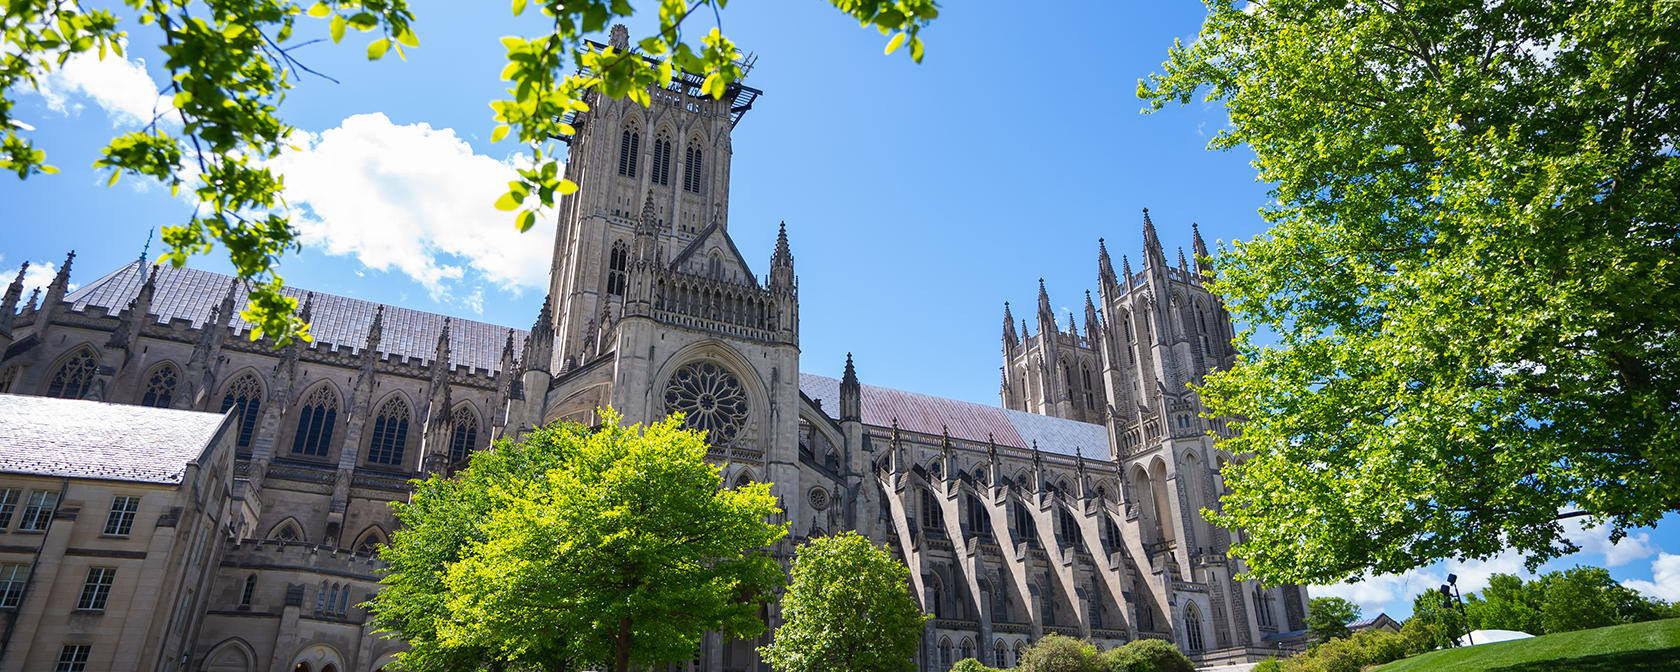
x: 1640, y: 647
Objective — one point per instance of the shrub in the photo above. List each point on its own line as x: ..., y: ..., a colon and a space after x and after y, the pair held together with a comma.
x: 1057, y: 653
x: 1268, y: 665
x: 972, y: 665
x: 1148, y: 655
x: 1362, y: 650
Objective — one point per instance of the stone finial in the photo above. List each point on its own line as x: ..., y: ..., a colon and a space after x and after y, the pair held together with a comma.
x: 619, y: 37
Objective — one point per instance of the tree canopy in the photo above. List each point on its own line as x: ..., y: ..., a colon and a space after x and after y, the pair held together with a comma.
x: 579, y: 548
x: 231, y: 62
x: 1471, y: 273
x: 848, y: 609
x: 1328, y: 617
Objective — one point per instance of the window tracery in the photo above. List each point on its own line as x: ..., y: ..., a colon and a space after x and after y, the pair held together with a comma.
x: 618, y: 263
x: 71, y: 379
x: 245, y: 394
x: 661, y: 168
x: 160, y: 386
x: 629, y: 148
x: 691, y: 169
x: 711, y: 399
x: 390, y: 433
x: 464, y: 433
x: 316, y: 422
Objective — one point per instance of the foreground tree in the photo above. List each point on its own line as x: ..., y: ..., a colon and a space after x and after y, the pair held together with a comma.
x: 602, y: 549
x: 1328, y: 617
x: 1436, y: 623
x: 1472, y: 272
x: 848, y: 609
x: 230, y: 64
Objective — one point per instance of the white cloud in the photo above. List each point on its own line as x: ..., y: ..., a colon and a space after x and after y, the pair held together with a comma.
x: 1665, y: 572
x: 118, y: 85
x: 39, y: 275
x: 1636, y: 546
x: 1379, y: 594
x: 414, y: 198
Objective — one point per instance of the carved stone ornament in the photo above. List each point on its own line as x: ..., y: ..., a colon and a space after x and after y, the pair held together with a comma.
x: 711, y: 399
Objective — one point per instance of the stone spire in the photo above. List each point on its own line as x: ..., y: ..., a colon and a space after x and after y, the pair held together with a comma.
x: 436, y: 419
x: 1153, y: 256
x: 55, y: 294
x: 1126, y: 265
x: 1105, y: 268
x: 1009, y: 339
x: 285, y: 370
x: 1201, y: 250
x: 1093, y: 325
x: 851, y: 394
x: 996, y: 462
x: 647, y: 231
x: 129, y: 328
x: 619, y: 37
x: 1182, y: 267
x: 781, y: 263
x: 8, y: 305
x: 900, y: 462
x: 197, y: 366
x: 506, y: 374
x: 948, y: 455
x: 1073, y: 329
x: 539, y: 345
x: 1037, y: 468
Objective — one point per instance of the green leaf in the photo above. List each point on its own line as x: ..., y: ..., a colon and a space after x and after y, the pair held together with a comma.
x: 500, y: 132
x: 897, y: 41
x: 114, y: 175
x: 408, y: 38
x: 518, y: 7
x: 319, y: 10
x: 234, y: 30
x: 376, y: 49
x: 48, y: 169
x: 338, y: 24
x: 916, y: 49
x: 568, y: 186
x: 508, y: 202
x: 525, y: 220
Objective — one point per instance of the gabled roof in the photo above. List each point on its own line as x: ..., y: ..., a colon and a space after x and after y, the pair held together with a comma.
x: 89, y: 439
x: 191, y: 294
x: 966, y: 420
x: 699, y: 243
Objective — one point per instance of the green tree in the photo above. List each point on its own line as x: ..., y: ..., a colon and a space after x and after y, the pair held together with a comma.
x: 1328, y: 617
x: 1471, y: 272
x: 848, y: 609
x: 1059, y: 653
x: 1508, y: 603
x: 1436, y: 623
x: 1145, y: 655
x: 231, y: 62
x: 600, y: 549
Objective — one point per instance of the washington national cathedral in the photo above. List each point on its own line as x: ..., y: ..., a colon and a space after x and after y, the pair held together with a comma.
x: 175, y: 496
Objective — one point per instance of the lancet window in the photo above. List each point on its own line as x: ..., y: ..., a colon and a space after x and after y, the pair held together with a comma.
x: 629, y: 148
x: 71, y: 379
x: 618, y: 263
x: 662, y: 161
x: 316, y: 422
x: 160, y: 386
x: 390, y: 433
x: 691, y: 169
x: 245, y: 395
x: 463, y: 435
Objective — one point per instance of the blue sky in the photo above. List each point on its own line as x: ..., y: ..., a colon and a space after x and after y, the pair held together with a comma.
x: 917, y: 198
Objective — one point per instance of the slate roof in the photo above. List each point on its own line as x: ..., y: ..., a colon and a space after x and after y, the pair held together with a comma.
x: 89, y: 439
x: 191, y: 294
x: 967, y: 420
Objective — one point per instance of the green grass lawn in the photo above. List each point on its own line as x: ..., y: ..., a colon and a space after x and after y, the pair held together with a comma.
x: 1640, y: 647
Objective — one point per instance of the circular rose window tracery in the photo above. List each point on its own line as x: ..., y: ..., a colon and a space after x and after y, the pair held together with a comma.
x: 711, y: 399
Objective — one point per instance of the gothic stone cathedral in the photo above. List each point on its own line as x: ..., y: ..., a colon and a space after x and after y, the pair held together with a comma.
x: 1072, y: 508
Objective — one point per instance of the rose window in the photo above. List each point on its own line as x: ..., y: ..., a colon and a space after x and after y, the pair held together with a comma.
x: 711, y: 399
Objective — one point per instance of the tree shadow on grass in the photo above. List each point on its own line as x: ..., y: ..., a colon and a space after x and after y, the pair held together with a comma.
x: 1650, y: 660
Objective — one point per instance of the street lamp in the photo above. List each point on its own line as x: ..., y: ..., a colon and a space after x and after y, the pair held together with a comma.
x: 1450, y: 596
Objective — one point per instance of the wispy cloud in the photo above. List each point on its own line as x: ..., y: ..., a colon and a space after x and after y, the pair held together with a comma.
x: 119, y: 86
x: 1665, y: 575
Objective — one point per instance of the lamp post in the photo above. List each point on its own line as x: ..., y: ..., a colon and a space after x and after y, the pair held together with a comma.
x: 1449, y: 597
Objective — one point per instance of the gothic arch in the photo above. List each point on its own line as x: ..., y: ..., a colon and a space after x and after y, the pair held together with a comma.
x: 160, y: 385
x: 1193, y: 626
x: 392, y: 429
x: 319, y: 658
x: 1163, y: 502
x: 310, y: 431
x: 743, y: 476
x: 721, y: 353
x: 244, y: 394
x: 370, y: 537
x: 278, y: 531
x: 71, y: 375
x: 231, y: 655
x: 465, y: 425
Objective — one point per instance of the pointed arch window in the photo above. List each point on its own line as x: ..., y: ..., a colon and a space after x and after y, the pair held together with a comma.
x: 160, y: 386
x: 370, y: 541
x: 1193, y: 628
x: 390, y: 433
x: 316, y: 422
x: 464, y: 434
x: 250, y: 590
x: 629, y: 147
x: 691, y: 169
x: 618, y: 263
x: 71, y: 379
x: 245, y: 394
x: 661, y: 161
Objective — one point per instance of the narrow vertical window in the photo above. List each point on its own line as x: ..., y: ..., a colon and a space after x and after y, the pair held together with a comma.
x: 73, y: 658
x: 121, y: 518
x: 97, y: 588
x: 618, y: 265
x: 661, y: 171
x: 390, y: 433
x: 321, y: 598
x: 635, y: 153
x: 250, y: 590
x: 181, y: 619
x: 8, y: 506
x: 344, y: 599
x: 244, y: 397
x: 38, y: 511
x: 691, y: 169
x: 464, y: 435
x: 12, y: 578
x: 160, y: 387
x: 315, y: 423
x: 624, y: 154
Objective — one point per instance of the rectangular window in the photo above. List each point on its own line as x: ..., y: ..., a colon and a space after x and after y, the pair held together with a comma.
x: 8, y: 506
x: 73, y: 658
x: 97, y: 588
x: 181, y: 617
x: 12, y: 577
x: 203, y: 538
x: 38, y: 512
x: 121, y: 519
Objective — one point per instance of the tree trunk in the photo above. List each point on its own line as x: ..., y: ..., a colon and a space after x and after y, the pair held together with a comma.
x: 623, y: 662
